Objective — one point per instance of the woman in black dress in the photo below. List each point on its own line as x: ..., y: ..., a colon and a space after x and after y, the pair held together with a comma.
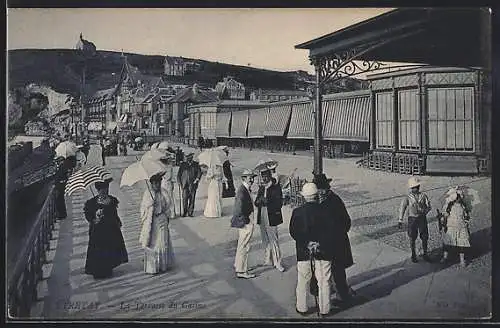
x: 60, y: 179
x: 106, y: 249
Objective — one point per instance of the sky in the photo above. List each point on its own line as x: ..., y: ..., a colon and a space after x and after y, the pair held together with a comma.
x: 263, y: 38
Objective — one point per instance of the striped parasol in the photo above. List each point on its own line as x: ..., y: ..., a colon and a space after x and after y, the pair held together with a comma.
x: 85, y: 177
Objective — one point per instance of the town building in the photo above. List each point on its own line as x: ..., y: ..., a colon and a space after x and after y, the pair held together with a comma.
x: 229, y: 88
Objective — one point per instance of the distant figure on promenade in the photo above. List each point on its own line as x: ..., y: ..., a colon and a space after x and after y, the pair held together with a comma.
x: 201, y: 142
x: 228, y: 187
x: 340, y: 223
x: 123, y: 147
x: 213, y: 206
x: 188, y: 177
x: 86, y: 148
x: 103, y: 151
x: 60, y: 178
x: 269, y: 201
x: 179, y: 156
x: 455, y: 220
x: 155, y: 234
x: 243, y: 220
x: 417, y: 205
x: 106, y: 248
x: 310, y: 230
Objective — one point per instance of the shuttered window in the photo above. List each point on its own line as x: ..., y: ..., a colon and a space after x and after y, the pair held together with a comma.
x: 451, y: 119
x: 384, y: 120
x: 409, y: 119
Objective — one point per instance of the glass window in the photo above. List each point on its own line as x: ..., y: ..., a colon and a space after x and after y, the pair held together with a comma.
x: 452, y: 128
x: 384, y: 119
x: 409, y: 119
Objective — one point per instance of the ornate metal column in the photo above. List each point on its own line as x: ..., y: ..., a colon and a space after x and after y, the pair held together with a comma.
x: 329, y: 69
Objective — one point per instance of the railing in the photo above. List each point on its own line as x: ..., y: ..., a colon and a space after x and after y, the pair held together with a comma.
x: 27, y: 272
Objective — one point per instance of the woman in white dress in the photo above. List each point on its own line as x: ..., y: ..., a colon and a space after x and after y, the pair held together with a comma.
x: 456, y: 235
x: 155, y: 234
x: 213, y: 207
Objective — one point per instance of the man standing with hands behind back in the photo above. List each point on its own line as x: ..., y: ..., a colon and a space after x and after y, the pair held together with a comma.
x: 188, y: 176
x: 243, y: 220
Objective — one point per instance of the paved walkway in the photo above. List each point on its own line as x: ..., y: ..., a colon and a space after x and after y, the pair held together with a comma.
x: 203, y: 286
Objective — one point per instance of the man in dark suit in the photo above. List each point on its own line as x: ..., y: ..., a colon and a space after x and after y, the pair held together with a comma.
x: 242, y: 212
x: 188, y: 176
x: 340, y: 223
x: 269, y: 201
x: 228, y: 188
x: 308, y: 227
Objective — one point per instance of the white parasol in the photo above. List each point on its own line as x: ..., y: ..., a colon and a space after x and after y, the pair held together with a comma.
x: 212, y: 157
x: 66, y: 149
x: 141, y: 170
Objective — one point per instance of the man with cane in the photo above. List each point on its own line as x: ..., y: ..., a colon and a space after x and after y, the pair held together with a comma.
x: 309, y: 228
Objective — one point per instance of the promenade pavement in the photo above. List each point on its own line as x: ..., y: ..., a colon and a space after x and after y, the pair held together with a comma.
x: 203, y: 286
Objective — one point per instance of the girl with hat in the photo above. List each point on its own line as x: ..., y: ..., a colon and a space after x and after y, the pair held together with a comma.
x: 455, y: 220
x: 106, y: 249
x: 155, y: 233
x: 417, y: 205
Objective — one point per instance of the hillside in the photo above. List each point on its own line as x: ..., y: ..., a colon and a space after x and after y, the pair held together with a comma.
x: 61, y: 70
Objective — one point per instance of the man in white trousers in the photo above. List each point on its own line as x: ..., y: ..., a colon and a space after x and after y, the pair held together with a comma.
x: 242, y: 219
x: 269, y: 201
x: 309, y: 228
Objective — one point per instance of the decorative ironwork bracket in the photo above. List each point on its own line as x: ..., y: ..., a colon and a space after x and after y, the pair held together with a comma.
x: 339, y: 65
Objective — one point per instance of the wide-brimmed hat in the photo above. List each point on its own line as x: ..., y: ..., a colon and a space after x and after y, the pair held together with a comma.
x: 321, y: 181
x: 157, y: 177
x: 105, y: 183
x: 272, y: 166
x: 248, y: 173
x: 413, y: 182
x: 265, y: 172
x: 309, y: 189
x: 190, y: 155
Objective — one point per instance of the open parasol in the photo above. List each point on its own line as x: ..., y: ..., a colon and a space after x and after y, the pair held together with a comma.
x: 84, y: 178
x: 265, y: 164
x: 66, y: 149
x: 211, y: 157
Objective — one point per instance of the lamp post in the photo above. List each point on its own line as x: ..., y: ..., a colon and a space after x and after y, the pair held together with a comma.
x: 314, y: 94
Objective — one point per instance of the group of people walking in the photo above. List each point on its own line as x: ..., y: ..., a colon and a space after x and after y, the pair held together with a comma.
x: 319, y: 227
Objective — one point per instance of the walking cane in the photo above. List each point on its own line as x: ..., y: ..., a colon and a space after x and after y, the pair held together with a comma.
x: 314, y: 281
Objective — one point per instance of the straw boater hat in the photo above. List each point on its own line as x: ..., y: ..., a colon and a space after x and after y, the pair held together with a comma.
x: 248, y: 173
x: 413, y: 182
x: 309, y: 190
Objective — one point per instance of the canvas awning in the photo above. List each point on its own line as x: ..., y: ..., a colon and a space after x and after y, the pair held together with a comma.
x: 302, y: 121
x: 257, y: 119
x: 277, y: 120
x: 347, y: 118
x: 239, y: 124
x: 223, y: 124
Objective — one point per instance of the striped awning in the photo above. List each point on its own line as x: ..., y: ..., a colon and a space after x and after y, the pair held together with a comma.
x: 277, y: 120
x: 347, y: 119
x: 222, y: 126
x: 239, y: 123
x: 257, y: 119
x: 302, y: 121
x: 123, y: 118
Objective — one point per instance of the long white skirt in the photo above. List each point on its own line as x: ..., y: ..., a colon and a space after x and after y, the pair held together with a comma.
x: 213, y: 207
x: 159, y: 257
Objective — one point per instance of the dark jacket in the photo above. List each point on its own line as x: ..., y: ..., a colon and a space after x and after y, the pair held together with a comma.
x: 273, y: 202
x: 340, y: 224
x: 308, y: 224
x: 242, y: 209
x: 228, y: 189
x: 188, y: 173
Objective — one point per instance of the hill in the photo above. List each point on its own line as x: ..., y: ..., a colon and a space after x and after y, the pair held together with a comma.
x: 61, y: 70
